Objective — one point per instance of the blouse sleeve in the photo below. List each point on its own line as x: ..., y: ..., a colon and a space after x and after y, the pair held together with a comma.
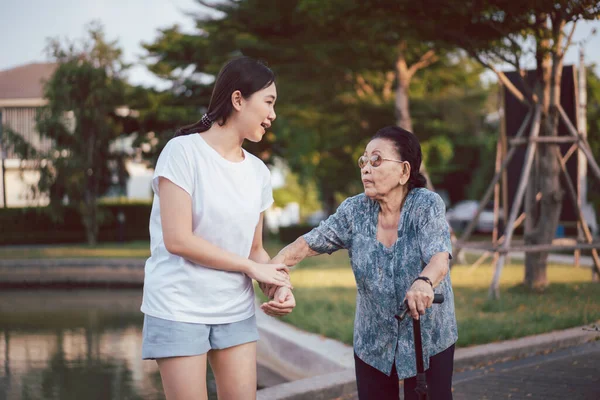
x: 433, y: 232
x: 334, y: 233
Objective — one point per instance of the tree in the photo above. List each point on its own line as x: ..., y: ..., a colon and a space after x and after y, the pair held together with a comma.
x: 82, y: 118
x: 593, y: 128
x: 376, y: 32
x: 335, y: 63
x: 504, y: 32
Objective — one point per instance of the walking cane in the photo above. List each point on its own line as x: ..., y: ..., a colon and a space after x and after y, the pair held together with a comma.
x: 421, y: 389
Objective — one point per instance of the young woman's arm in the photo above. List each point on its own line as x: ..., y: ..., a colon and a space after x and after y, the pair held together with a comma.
x: 176, y: 219
x: 260, y: 255
x: 258, y: 252
x: 290, y: 255
x: 282, y: 299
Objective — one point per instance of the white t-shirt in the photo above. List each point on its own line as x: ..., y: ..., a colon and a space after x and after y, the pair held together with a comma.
x: 227, y: 199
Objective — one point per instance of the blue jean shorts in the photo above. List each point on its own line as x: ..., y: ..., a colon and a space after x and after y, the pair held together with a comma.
x: 163, y: 338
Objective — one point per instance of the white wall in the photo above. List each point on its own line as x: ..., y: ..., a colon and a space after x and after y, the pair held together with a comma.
x: 139, y: 185
x: 17, y: 189
x: 18, y: 193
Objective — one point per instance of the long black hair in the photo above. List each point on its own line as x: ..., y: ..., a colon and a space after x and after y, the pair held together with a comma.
x: 244, y: 74
x: 408, y: 147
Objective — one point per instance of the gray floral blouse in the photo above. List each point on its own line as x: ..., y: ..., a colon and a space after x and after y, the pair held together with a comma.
x: 383, y: 276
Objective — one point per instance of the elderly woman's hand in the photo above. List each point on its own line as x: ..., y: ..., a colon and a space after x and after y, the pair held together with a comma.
x: 419, y: 297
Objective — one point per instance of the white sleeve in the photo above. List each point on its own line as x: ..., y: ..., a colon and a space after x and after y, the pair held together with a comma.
x: 173, y: 163
x: 267, y: 191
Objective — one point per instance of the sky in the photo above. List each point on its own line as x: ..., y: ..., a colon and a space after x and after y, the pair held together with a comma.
x: 25, y: 26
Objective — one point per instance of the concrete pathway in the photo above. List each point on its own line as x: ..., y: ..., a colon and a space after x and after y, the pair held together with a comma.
x: 572, y: 373
x: 568, y: 374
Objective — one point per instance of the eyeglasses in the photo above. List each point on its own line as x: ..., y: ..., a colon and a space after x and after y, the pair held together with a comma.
x: 375, y: 161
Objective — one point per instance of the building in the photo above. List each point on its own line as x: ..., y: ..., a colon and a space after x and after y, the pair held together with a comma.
x: 21, y: 97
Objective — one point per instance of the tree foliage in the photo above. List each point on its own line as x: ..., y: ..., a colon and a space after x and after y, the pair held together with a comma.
x: 82, y: 118
x: 335, y: 62
x: 506, y: 32
x: 593, y: 130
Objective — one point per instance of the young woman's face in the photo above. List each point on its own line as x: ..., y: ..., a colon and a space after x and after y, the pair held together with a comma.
x: 258, y: 113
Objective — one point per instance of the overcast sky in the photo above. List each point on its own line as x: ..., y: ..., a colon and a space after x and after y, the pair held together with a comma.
x: 25, y: 25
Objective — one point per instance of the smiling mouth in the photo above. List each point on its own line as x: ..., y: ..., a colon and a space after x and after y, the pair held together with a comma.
x: 265, y: 126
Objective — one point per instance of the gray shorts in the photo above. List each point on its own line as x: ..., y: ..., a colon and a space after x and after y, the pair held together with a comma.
x: 163, y: 338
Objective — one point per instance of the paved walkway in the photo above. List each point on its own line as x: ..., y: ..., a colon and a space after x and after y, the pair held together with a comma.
x: 572, y: 373
x: 569, y: 374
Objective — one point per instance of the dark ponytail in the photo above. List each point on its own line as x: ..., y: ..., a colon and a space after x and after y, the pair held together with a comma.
x: 197, y: 127
x: 417, y: 180
x: 244, y: 74
x: 408, y: 147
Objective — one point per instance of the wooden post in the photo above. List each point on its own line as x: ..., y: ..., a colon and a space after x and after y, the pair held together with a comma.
x: 583, y: 144
x: 544, y: 248
x: 494, y: 291
x: 504, y: 142
x: 570, y: 152
x: 573, y: 195
x: 488, y: 194
x: 584, y: 148
x: 487, y: 253
x: 581, y: 187
x: 497, y: 193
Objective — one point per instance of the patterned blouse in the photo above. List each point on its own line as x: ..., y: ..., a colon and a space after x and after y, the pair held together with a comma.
x: 384, y: 275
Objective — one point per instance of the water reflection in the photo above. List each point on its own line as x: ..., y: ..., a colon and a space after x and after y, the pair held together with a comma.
x: 78, y: 344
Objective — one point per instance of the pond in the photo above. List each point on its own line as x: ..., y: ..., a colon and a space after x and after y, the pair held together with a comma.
x: 75, y: 344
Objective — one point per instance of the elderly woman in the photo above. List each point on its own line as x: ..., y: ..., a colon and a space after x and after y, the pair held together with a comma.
x: 398, y: 241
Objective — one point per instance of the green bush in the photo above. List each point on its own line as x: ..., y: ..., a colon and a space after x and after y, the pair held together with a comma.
x: 36, y: 225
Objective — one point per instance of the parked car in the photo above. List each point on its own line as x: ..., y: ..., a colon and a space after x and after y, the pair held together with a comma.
x: 589, y: 214
x: 464, y: 211
x: 315, y: 218
x: 461, y: 214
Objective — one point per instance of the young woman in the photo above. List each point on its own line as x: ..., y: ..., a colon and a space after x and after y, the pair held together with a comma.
x: 206, y: 242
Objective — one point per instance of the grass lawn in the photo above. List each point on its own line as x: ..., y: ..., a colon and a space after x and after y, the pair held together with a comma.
x: 326, y: 293
x: 138, y: 249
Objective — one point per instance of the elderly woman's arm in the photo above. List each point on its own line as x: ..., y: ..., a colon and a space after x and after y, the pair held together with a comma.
x: 331, y: 235
x: 294, y: 252
x: 433, y: 240
x: 420, y: 295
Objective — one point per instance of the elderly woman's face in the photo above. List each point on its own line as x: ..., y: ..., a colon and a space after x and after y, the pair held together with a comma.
x: 388, y: 170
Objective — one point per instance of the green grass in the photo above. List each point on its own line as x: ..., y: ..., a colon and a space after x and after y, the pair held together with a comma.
x: 138, y: 249
x: 326, y: 294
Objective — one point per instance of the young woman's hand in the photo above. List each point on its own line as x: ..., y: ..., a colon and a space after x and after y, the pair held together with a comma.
x: 270, y: 274
x: 269, y: 290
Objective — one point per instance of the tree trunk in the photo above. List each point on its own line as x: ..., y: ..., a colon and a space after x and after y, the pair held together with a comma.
x: 88, y: 211
x: 403, y: 119
x: 547, y: 175
x: 90, y: 203
x: 328, y: 199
